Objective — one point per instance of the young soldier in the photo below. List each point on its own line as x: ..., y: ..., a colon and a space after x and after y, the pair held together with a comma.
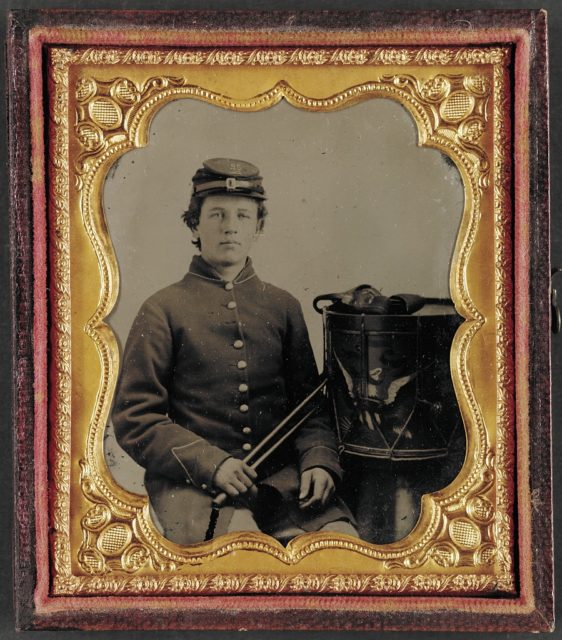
x: 212, y: 364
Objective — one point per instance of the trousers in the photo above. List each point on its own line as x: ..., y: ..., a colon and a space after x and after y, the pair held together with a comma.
x: 243, y: 520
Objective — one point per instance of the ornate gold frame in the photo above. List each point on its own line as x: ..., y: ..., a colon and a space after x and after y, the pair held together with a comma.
x: 102, y: 101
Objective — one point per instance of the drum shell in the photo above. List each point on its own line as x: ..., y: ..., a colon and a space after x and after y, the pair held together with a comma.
x: 390, y: 384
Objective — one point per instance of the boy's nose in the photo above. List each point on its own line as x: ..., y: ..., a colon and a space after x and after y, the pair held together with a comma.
x: 229, y: 224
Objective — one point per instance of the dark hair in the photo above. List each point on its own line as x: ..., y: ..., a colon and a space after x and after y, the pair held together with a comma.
x: 193, y: 213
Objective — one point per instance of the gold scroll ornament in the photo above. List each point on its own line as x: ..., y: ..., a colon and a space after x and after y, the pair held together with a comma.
x: 463, y: 542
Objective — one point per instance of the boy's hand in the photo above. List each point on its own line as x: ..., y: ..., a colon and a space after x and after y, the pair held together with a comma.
x: 234, y: 477
x: 317, y: 486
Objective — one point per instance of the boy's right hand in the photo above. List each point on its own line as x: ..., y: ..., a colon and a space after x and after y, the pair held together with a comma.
x: 234, y: 477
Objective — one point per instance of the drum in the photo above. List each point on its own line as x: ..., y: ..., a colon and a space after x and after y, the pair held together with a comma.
x: 392, y: 400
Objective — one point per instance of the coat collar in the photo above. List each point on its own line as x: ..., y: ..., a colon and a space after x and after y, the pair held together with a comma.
x: 199, y: 267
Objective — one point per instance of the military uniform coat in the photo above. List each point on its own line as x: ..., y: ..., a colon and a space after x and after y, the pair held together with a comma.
x: 209, y: 368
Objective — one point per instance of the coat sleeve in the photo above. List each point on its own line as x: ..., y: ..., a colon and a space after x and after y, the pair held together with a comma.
x: 140, y: 412
x: 315, y: 441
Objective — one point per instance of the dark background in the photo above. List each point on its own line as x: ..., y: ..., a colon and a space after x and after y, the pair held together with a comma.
x: 554, y: 8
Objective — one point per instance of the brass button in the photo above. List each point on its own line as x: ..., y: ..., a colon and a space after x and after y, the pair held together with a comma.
x: 246, y: 430
x: 229, y: 286
x: 238, y: 344
x: 244, y: 408
x: 243, y: 387
x: 231, y: 305
x: 246, y: 446
x: 242, y: 364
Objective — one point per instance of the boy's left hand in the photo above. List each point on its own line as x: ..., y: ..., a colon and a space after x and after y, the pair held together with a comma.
x: 317, y: 486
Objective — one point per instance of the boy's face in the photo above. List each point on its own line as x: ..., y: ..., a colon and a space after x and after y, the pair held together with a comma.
x: 228, y: 226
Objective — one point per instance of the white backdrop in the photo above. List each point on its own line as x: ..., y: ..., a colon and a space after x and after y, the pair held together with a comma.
x: 351, y: 197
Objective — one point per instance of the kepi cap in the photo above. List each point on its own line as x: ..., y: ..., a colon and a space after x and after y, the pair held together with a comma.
x: 226, y: 175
